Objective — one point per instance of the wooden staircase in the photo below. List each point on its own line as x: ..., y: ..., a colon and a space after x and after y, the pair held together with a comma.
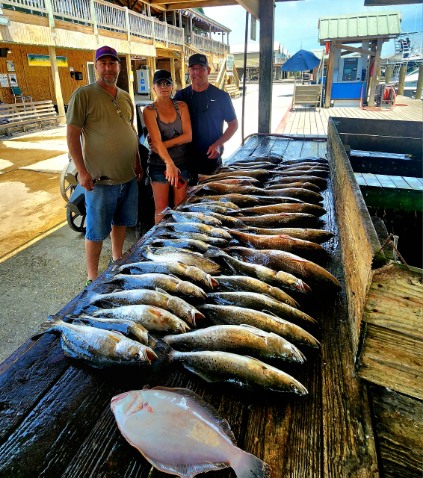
x: 232, y: 90
x: 226, y: 82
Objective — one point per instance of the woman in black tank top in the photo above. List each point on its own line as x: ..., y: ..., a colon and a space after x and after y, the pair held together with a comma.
x: 169, y: 127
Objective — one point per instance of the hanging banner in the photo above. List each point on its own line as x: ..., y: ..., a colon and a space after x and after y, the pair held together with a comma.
x: 44, y: 60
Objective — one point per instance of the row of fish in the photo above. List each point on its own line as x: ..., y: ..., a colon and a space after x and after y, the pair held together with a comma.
x: 180, y: 283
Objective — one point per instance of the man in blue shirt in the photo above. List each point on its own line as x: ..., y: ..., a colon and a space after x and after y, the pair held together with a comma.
x: 210, y: 108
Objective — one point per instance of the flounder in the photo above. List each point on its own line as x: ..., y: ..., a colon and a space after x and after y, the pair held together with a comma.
x: 180, y: 434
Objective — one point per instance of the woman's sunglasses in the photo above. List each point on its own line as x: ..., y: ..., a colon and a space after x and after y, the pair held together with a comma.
x: 164, y: 83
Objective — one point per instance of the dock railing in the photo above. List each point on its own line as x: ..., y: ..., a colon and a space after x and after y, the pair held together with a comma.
x: 203, y: 43
x: 114, y: 18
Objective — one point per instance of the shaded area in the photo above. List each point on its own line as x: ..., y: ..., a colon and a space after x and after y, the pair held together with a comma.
x: 31, y: 205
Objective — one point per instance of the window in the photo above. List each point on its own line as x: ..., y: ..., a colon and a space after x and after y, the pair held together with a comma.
x: 91, y: 72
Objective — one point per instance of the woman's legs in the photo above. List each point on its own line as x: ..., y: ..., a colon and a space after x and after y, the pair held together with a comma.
x: 180, y: 194
x: 161, y: 199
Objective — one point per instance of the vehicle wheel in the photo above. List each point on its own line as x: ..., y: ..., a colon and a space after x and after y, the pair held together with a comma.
x: 68, y: 181
x: 76, y: 221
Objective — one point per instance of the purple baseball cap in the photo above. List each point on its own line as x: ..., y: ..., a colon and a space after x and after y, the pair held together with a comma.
x: 106, y: 51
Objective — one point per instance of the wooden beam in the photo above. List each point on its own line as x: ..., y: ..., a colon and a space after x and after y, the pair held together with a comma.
x: 267, y: 15
x: 57, y: 86
x: 182, y: 72
x: 252, y: 7
x: 130, y: 81
x: 354, y: 49
x: 329, y: 75
x: 182, y: 5
x: 376, y: 67
x: 419, y: 82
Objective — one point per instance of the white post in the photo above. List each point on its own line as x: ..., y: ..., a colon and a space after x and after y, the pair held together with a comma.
x: 57, y: 86
x: 128, y: 29
x: 94, y: 19
x: 54, y: 68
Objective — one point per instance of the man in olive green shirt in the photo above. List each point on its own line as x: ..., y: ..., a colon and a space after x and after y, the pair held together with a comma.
x: 104, y: 146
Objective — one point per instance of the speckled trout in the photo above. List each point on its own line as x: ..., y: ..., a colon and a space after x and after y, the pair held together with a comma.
x: 245, y: 372
x: 253, y: 300
x: 234, y: 315
x: 174, y: 254
x: 98, y: 347
x: 154, y: 319
x: 158, y: 297
x: 245, y: 283
x: 241, y: 339
x: 177, y: 268
x: 266, y: 274
x: 308, y: 234
x: 169, y: 283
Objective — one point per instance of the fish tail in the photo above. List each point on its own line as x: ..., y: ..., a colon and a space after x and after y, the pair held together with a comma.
x: 214, y: 251
x: 163, y: 351
x: 47, y: 326
x: 249, y: 466
x: 165, y: 211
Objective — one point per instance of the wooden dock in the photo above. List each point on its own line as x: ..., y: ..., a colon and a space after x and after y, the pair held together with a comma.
x: 57, y: 412
x: 314, y: 121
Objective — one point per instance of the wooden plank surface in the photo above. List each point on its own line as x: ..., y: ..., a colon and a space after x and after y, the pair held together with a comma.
x: 414, y: 183
x: 57, y: 411
x: 399, y: 182
x: 392, y: 351
x: 385, y: 181
x: 399, y: 429
x: 311, y: 120
x: 372, y: 180
x: 392, y: 360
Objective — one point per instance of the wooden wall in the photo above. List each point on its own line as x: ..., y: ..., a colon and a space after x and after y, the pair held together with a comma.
x: 359, y: 242
x: 37, y: 81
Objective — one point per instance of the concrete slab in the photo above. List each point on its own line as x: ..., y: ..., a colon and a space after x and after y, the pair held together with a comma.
x: 52, y: 165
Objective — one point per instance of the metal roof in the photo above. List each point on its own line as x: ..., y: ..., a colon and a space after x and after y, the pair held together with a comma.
x: 360, y: 26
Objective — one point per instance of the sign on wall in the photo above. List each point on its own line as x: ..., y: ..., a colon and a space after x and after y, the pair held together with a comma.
x: 4, y: 81
x: 13, y: 80
x: 44, y: 60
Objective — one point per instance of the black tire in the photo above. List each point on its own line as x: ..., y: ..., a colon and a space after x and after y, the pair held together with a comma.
x: 76, y: 221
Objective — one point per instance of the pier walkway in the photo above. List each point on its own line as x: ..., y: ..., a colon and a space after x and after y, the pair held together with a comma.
x: 312, y: 121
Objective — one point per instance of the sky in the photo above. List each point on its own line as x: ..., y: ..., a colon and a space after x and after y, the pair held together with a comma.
x: 296, y: 22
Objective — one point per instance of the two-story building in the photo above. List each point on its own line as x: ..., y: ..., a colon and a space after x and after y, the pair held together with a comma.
x: 47, y: 46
